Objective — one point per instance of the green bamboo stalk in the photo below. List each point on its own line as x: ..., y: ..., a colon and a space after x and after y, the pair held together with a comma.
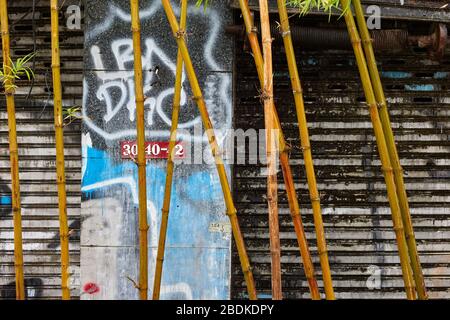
x: 141, y: 157
x: 392, y: 148
x: 198, y: 97
x: 170, y: 162
x: 59, y: 138
x: 13, y: 152
x: 306, y: 148
x: 383, y: 151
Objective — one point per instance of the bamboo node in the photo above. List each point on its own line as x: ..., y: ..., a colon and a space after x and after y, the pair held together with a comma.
x: 372, y: 105
x: 286, y: 33
x: 300, y: 91
x: 197, y: 98
x: 368, y: 41
x: 398, y: 228
x: 253, y: 30
x: 265, y: 96
x: 356, y: 41
x: 380, y: 105
x: 144, y: 229
x: 181, y: 33
x: 387, y: 169
x: 247, y: 269
x: 287, y: 149
x: 398, y: 170
x: 64, y: 236
x: 305, y: 147
x: 295, y: 214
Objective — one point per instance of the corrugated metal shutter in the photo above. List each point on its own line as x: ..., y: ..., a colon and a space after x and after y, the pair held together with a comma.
x: 362, y: 247
x: 37, y: 156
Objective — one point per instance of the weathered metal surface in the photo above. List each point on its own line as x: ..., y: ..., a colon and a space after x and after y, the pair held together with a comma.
x: 198, y: 258
x: 37, y: 157
x: 419, y: 10
x: 362, y: 249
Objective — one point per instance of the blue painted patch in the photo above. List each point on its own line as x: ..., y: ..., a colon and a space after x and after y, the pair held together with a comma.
x: 420, y: 87
x: 5, y: 200
x: 396, y: 74
x: 263, y: 296
x: 441, y: 75
x: 196, y: 203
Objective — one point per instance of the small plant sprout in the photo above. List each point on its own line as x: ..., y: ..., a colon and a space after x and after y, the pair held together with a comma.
x: 16, y: 71
x: 204, y: 2
x: 71, y: 114
x: 306, y: 6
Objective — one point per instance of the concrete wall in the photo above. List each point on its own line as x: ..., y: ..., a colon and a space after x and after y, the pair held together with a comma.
x: 197, y: 264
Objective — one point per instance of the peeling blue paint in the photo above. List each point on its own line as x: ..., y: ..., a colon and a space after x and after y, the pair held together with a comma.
x: 5, y: 200
x: 441, y: 75
x: 420, y: 87
x: 396, y: 74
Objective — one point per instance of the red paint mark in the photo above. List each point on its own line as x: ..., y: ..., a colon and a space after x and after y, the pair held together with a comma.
x: 91, y: 288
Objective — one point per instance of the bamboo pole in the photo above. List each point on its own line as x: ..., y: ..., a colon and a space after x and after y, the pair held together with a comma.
x: 306, y: 147
x: 231, y: 209
x: 383, y: 151
x: 392, y: 149
x: 141, y: 158
x: 271, y: 151
x: 284, y: 160
x: 59, y: 135
x: 13, y: 153
x: 170, y: 162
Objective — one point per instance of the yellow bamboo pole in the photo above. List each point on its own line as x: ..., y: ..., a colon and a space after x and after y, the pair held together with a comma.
x: 306, y: 147
x: 231, y: 209
x: 141, y: 158
x: 284, y: 159
x: 383, y: 151
x: 170, y: 162
x: 13, y: 153
x: 392, y: 148
x: 271, y: 152
x: 59, y: 135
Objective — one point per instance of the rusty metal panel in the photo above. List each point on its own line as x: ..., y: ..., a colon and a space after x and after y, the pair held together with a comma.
x: 419, y: 10
x: 37, y: 155
x: 362, y: 247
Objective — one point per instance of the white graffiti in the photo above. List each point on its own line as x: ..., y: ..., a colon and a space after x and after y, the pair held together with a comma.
x: 115, y: 89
